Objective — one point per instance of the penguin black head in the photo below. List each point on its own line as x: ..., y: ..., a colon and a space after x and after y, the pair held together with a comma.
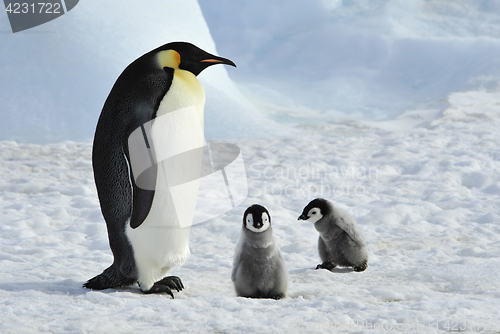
x: 187, y: 56
x: 256, y: 219
x: 315, y: 210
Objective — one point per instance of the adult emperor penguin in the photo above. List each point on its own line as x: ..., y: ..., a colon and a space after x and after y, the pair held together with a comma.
x: 340, y: 242
x: 144, y: 233
x: 259, y: 270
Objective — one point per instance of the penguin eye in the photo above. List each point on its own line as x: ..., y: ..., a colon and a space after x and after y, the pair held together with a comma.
x: 314, y: 212
x: 248, y: 220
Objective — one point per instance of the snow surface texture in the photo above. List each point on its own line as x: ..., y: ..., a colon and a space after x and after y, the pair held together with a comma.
x: 326, y: 59
x: 426, y: 198
x: 423, y: 186
x: 55, y: 77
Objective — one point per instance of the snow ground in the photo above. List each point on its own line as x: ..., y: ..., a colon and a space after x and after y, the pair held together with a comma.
x: 424, y: 189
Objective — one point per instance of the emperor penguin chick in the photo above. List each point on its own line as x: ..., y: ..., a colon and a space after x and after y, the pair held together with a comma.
x: 340, y: 242
x: 259, y: 270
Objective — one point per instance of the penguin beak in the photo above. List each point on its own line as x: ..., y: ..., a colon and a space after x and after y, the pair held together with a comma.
x: 302, y: 217
x: 218, y: 60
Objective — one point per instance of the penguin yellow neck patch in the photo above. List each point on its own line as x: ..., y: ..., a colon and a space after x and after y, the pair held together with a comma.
x: 169, y: 58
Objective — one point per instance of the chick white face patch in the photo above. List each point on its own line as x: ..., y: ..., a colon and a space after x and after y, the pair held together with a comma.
x: 257, y: 226
x: 314, y: 215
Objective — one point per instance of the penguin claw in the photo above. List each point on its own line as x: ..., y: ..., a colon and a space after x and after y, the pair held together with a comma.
x: 278, y: 297
x: 326, y: 265
x: 156, y: 288
x: 173, y: 282
x: 361, y: 267
x: 166, y: 285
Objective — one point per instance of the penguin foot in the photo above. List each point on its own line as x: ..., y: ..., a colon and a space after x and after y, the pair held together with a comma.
x: 326, y: 265
x: 278, y: 297
x: 166, y: 285
x: 361, y: 267
x: 173, y: 282
x: 157, y: 288
x: 110, y: 278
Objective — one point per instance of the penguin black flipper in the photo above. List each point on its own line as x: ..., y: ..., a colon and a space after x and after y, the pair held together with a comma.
x: 142, y: 199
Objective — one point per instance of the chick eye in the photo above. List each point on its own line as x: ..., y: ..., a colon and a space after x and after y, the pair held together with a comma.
x: 314, y: 212
x: 248, y: 220
x: 265, y: 219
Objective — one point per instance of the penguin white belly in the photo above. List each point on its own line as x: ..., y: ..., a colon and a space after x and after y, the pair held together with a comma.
x: 162, y: 240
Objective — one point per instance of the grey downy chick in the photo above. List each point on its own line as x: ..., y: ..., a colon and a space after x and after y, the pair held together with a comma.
x: 340, y: 243
x: 259, y: 270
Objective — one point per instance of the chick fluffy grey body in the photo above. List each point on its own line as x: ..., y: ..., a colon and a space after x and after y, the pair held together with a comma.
x: 259, y: 270
x: 340, y: 243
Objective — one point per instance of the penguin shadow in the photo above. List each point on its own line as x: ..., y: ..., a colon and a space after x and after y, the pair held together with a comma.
x: 133, y: 289
x: 340, y: 270
x: 334, y: 270
x: 64, y: 287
